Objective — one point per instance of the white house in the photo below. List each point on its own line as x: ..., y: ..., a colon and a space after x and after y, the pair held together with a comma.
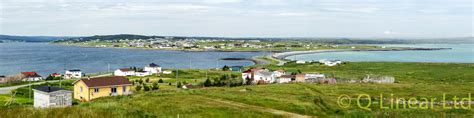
x: 153, y: 68
x: 279, y: 72
x: 72, y: 74
x: 124, y: 72
x: 31, y: 76
x: 330, y: 62
x: 48, y: 96
x: 300, y: 62
x: 314, y: 76
x: 142, y: 73
x: 259, y: 75
x: 167, y: 72
x: 285, y: 78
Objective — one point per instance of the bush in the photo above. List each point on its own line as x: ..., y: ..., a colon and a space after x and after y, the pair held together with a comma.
x: 146, y: 88
x: 138, y: 87
x: 147, y: 80
x: 207, y: 83
x: 178, y: 85
x: 155, y: 86
x: 160, y: 81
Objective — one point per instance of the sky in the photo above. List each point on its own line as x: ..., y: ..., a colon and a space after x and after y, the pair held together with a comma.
x: 240, y: 18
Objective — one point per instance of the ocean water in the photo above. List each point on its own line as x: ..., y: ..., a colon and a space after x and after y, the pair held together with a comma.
x: 460, y: 53
x: 47, y: 58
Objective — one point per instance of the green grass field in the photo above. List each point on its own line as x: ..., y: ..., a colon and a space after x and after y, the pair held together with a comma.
x: 413, y: 80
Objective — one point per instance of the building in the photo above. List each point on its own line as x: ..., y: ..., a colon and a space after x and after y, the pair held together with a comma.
x: 124, y: 72
x: 55, y: 75
x: 91, y: 88
x: 300, y: 78
x: 31, y: 76
x: 48, y: 96
x: 330, y: 62
x: 279, y: 72
x: 314, y: 77
x: 153, y: 68
x: 3, y: 79
x: 167, y: 72
x: 142, y: 73
x: 285, y: 78
x: 378, y: 79
x: 300, y: 62
x: 70, y: 74
x: 258, y: 75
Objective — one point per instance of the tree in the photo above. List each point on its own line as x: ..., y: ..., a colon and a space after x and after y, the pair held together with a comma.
x: 138, y: 87
x: 155, y: 86
x: 160, y: 81
x: 248, y: 80
x: 147, y: 80
x: 49, y: 77
x: 178, y: 85
x: 225, y: 68
x: 140, y: 81
x: 146, y: 88
x: 207, y: 83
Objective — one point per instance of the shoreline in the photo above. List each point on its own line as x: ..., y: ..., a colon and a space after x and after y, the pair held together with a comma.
x: 283, y: 55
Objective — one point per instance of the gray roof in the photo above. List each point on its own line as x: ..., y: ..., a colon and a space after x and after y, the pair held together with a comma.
x: 48, y: 89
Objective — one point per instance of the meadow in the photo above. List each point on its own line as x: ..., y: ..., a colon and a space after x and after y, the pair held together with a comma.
x: 413, y: 80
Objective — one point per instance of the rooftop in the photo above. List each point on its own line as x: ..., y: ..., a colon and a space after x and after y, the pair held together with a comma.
x: 105, y: 81
x: 48, y: 89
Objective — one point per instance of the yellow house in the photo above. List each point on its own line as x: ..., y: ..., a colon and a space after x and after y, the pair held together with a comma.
x: 91, y: 88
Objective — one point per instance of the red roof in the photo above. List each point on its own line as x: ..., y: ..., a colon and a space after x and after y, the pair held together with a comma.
x: 105, y: 81
x: 29, y: 73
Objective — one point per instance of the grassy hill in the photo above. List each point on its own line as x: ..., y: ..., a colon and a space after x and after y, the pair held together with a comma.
x: 414, y: 80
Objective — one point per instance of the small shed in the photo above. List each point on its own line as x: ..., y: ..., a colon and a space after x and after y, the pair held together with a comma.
x: 49, y: 96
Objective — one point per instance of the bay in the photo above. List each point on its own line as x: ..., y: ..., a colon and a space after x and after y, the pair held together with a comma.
x: 47, y: 58
x: 459, y: 53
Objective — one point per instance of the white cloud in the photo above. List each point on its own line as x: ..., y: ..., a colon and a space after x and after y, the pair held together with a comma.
x: 388, y: 32
x: 292, y: 14
x: 221, y: 1
x: 359, y: 9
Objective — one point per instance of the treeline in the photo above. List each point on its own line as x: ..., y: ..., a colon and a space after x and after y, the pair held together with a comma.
x: 224, y: 80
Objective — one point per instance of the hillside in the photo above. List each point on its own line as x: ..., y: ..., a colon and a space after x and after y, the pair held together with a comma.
x: 9, y: 38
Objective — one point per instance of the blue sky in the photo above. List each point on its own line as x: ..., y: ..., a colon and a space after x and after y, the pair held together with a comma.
x: 240, y: 18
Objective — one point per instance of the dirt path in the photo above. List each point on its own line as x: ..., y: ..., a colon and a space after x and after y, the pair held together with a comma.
x: 258, y: 108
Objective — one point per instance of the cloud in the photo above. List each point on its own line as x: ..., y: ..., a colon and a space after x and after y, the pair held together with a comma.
x: 388, y: 32
x: 292, y: 14
x: 221, y: 1
x: 352, y: 10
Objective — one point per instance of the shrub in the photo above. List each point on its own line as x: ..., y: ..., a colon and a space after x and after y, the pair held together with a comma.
x: 147, y: 80
x: 138, y: 87
x: 160, y: 81
x: 178, y: 85
x: 155, y: 86
x: 207, y: 83
x: 146, y: 88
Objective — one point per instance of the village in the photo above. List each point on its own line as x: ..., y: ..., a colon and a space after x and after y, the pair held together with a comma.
x: 126, y: 81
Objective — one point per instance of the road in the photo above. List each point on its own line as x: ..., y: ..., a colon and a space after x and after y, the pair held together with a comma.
x: 6, y: 90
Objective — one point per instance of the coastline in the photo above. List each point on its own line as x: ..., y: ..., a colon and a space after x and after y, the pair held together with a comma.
x: 283, y: 55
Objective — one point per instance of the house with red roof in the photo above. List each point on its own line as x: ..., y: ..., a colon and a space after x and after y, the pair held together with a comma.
x: 92, y: 88
x: 31, y: 76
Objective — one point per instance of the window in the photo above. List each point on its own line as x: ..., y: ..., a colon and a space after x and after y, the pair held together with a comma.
x: 81, y: 88
x: 96, y: 90
x: 113, y: 90
x: 124, y: 88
